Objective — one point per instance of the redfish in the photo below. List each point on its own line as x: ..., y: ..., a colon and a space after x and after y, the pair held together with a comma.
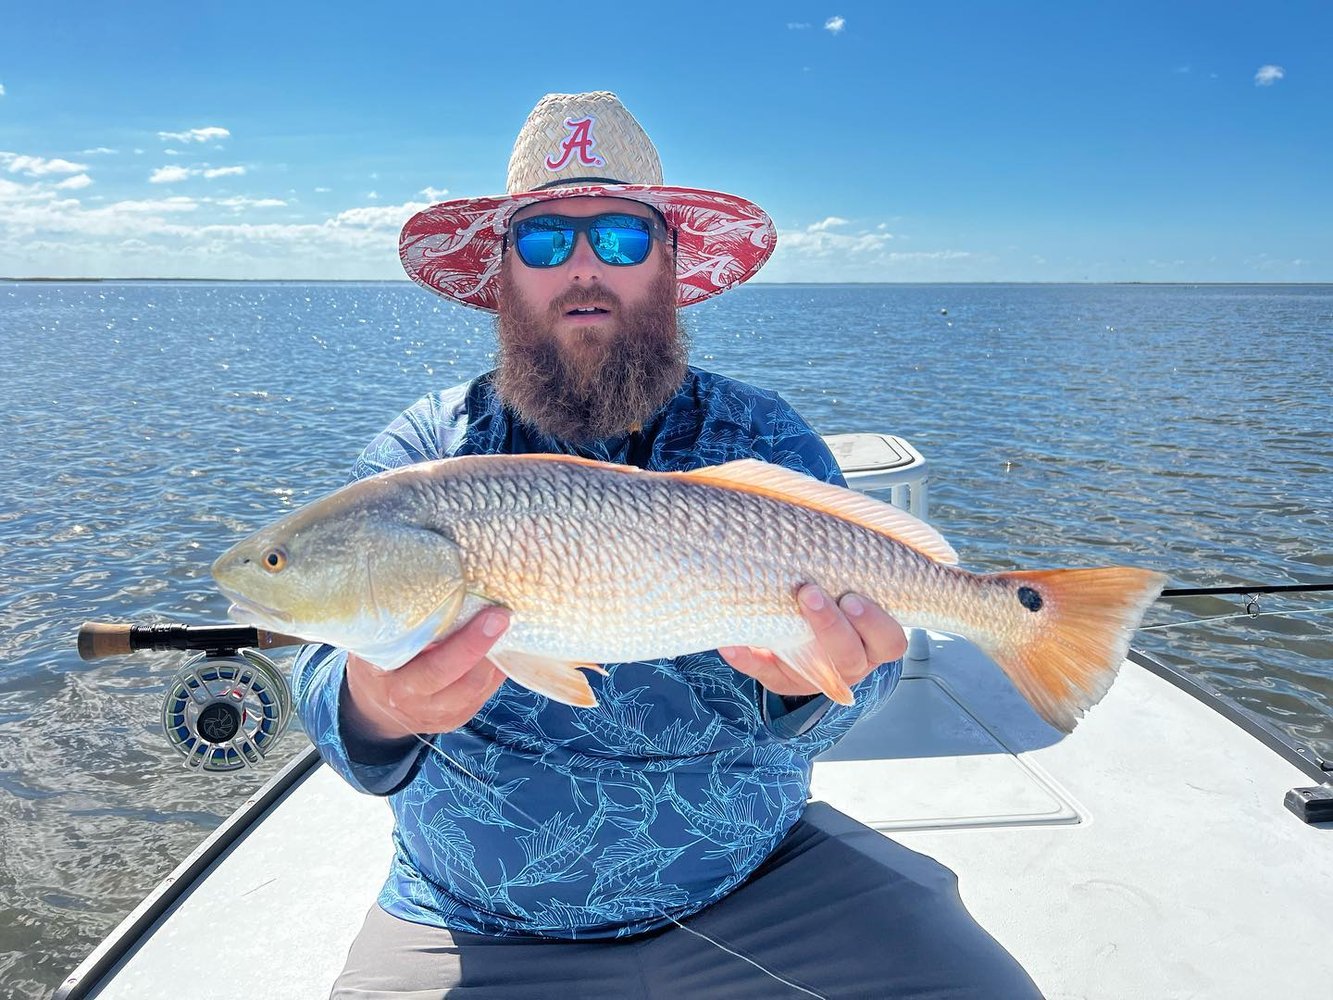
x: 602, y: 563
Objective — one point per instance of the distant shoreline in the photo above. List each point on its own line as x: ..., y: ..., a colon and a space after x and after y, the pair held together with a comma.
x: 751, y: 284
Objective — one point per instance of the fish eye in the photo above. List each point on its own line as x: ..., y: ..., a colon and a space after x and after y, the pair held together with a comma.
x: 275, y: 560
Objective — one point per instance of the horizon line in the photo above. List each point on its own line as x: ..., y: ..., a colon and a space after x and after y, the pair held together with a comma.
x: 770, y: 284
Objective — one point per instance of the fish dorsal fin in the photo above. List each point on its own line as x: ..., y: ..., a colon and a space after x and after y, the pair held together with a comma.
x: 765, y: 479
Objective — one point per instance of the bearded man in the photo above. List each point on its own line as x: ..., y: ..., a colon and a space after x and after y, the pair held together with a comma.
x: 661, y: 842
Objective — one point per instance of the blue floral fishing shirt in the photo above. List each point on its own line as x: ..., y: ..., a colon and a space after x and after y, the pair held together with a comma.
x: 603, y: 822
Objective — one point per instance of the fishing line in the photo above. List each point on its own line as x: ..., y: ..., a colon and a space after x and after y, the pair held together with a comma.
x: 537, y: 823
x: 1243, y: 614
x: 744, y: 958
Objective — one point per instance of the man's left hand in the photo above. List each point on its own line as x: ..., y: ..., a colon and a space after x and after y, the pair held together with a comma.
x: 855, y: 634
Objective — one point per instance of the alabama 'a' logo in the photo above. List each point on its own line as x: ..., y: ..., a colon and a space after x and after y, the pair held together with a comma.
x: 578, y: 143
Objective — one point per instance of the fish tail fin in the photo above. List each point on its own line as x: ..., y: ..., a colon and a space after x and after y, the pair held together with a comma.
x: 1072, y: 632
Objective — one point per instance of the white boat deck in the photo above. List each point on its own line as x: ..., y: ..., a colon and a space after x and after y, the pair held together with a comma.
x: 1148, y: 854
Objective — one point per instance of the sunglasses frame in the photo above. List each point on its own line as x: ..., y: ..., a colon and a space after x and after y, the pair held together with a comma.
x: 583, y: 224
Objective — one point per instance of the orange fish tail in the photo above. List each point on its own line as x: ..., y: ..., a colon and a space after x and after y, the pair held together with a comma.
x: 1068, y: 632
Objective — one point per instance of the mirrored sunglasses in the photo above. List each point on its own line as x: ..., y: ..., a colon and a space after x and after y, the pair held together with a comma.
x: 618, y: 240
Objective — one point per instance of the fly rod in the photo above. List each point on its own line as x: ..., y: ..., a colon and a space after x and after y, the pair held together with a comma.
x: 1286, y: 588
x: 99, y: 639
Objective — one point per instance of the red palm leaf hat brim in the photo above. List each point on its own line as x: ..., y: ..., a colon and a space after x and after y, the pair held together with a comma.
x: 578, y: 146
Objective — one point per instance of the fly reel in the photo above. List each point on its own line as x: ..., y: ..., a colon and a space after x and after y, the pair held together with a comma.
x: 228, y: 706
x: 226, y: 712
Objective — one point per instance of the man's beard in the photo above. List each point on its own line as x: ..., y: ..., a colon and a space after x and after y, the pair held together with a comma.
x: 597, y: 383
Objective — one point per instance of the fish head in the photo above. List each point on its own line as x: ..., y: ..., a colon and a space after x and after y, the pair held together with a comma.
x: 363, y: 569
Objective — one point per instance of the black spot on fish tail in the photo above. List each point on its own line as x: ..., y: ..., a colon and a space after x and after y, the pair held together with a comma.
x: 1030, y: 599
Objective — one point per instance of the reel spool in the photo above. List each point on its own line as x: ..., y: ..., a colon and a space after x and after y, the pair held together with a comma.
x: 226, y: 712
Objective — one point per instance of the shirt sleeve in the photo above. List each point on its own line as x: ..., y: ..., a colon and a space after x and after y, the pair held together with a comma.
x: 429, y: 429
x: 319, y: 686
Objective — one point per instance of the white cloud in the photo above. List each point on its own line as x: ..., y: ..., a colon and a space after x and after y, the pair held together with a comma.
x: 37, y: 166
x: 99, y: 150
x: 1266, y: 76
x: 176, y: 203
x: 74, y: 183
x: 169, y: 175
x: 34, y: 208
x: 920, y: 255
x: 822, y: 243
x: 434, y: 194
x: 42, y: 227
x: 797, y: 25
x: 835, y: 24
x: 12, y: 191
x: 173, y: 174
x: 196, y: 134
x: 373, y: 195
x: 171, y: 152
x: 237, y: 203
x: 1266, y: 263
x: 323, y: 190
x: 2, y: 90
x: 378, y: 216
x: 834, y: 249
x: 824, y: 256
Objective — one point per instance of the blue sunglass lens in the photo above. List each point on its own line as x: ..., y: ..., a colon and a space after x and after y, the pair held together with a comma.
x: 620, y: 244
x: 548, y: 240
x: 543, y: 247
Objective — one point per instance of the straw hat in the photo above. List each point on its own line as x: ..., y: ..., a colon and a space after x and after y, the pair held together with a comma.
x: 575, y: 145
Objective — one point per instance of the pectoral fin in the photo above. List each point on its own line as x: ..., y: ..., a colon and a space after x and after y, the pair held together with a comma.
x: 811, y: 663
x: 559, y: 680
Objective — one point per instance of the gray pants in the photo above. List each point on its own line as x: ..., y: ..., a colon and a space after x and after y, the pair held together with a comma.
x: 836, y: 910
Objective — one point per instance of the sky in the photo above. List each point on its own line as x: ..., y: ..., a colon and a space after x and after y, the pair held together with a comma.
x: 964, y: 141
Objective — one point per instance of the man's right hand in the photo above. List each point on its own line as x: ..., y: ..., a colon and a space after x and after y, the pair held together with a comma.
x: 436, y: 691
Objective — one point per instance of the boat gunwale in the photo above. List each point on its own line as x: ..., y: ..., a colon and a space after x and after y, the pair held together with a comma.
x: 1297, y: 754
x: 143, y: 919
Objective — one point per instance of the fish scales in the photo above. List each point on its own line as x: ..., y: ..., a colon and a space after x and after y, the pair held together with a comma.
x: 657, y: 567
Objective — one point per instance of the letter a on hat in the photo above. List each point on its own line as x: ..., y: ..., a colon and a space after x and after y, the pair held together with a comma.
x: 579, y: 140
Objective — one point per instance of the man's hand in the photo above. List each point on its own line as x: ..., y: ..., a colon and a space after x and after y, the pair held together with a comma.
x: 856, y: 635
x: 436, y: 691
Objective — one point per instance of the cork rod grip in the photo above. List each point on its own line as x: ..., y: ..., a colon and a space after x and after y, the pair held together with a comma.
x: 99, y: 639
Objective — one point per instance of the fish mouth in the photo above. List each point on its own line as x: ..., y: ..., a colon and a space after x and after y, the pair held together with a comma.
x: 247, y: 611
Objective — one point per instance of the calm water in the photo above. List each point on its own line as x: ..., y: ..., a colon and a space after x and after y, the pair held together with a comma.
x: 144, y: 427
